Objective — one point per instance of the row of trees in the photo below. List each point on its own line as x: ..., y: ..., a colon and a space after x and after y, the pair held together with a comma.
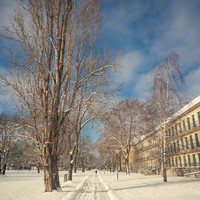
x: 123, y: 129
x: 61, y: 80
x: 57, y: 75
x: 18, y: 152
x: 130, y: 121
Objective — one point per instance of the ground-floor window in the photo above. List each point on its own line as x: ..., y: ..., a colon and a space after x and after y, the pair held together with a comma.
x: 199, y: 157
x: 194, y: 160
x: 176, y: 160
x: 185, y: 162
x: 173, y: 162
x: 180, y: 161
x: 189, y: 161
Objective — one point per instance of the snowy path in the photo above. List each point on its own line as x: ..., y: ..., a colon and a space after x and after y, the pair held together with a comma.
x: 93, y: 188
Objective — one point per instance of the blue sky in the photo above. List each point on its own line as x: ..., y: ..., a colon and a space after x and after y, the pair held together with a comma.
x: 140, y: 34
x: 144, y: 32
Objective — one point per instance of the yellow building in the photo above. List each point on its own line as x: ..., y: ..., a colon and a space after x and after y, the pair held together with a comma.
x: 181, y: 140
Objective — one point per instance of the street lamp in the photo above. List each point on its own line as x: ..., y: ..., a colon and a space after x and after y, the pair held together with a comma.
x: 117, y: 152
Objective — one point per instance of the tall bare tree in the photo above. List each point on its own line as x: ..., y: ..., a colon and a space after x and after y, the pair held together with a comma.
x: 166, y: 99
x: 55, y: 58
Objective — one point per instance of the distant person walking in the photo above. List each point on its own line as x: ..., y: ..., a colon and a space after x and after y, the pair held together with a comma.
x: 95, y: 171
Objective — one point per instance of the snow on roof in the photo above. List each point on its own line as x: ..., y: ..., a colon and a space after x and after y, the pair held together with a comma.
x: 187, y: 107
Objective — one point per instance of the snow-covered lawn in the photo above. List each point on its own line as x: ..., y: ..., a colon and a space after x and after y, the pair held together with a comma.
x: 140, y: 187
x: 28, y: 185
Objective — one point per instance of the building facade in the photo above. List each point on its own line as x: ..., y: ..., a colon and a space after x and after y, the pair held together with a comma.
x: 178, y: 144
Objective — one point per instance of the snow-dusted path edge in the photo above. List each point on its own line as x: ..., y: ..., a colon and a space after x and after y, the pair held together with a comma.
x: 111, y: 193
x: 77, y: 190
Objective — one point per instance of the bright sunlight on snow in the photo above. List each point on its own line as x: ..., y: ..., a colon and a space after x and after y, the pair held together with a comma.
x: 28, y: 185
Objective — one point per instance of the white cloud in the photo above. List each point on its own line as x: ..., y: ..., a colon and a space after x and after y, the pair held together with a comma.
x: 143, y: 87
x: 150, y: 32
x: 192, y: 83
x: 117, y: 18
x: 180, y: 33
x: 136, y: 79
x: 130, y: 63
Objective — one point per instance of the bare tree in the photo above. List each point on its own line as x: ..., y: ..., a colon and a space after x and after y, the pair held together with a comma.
x: 125, y: 124
x: 7, y: 139
x: 85, y: 155
x: 166, y: 100
x: 56, y: 41
x: 107, y: 147
x: 85, y: 114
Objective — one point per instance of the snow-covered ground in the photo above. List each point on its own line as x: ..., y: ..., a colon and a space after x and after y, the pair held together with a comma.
x: 28, y: 185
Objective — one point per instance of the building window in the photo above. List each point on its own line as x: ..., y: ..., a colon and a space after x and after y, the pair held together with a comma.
x: 172, y: 162
x: 174, y: 147
x: 180, y: 161
x: 194, y: 160
x: 176, y: 129
x: 199, y: 158
x: 189, y: 161
x: 188, y: 123
x: 166, y: 133
x: 179, y: 126
x: 193, y: 121
x: 169, y: 130
x: 186, y: 143
x: 176, y: 160
x: 171, y: 148
x: 191, y: 142
x: 172, y: 131
x: 178, y: 146
x: 184, y: 126
x: 198, y: 117
x: 182, y: 144
x: 197, y: 139
x: 185, y: 162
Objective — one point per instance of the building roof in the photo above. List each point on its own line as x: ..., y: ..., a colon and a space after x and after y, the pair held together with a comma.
x: 182, y: 111
x: 185, y: 109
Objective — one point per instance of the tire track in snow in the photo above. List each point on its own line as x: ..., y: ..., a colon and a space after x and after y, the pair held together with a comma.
x: 92, y: 188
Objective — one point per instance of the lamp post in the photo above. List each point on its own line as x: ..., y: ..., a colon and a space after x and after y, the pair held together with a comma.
x: 117, y: 152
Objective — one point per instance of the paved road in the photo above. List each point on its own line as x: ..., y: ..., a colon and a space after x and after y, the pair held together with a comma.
x: 93, y: 189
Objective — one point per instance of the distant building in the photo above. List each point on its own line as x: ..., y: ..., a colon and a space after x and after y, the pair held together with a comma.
x: 182, y: 142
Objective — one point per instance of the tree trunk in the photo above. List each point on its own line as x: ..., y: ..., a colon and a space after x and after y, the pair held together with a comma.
x: 164, y: 173
x: 164, y: 157
x: 75, y: 158
x: 50, y: 167
x: 120, y: 164
x: 127, y: 162
x: 70, y: 167
x: 0, y: 161
x: 4, y: 169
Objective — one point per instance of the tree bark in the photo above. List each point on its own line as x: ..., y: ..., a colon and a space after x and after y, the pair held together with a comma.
x: 0, y: 161
x: 50, y: 167
x: 70, y: 167
x: 4, y: 169
x: 75, y: 158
